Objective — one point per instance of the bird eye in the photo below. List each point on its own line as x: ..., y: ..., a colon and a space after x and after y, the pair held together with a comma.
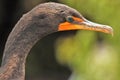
x: 70, y: 19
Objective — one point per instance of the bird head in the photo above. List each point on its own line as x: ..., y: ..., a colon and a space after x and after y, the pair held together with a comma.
x: 59, y: 17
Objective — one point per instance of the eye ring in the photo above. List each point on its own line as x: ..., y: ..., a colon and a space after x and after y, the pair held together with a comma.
x: 69, y: 19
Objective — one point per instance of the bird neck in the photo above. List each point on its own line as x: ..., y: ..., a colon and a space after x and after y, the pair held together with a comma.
x: 19, y: 43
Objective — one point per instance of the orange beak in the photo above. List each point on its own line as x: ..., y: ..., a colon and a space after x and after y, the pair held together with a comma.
x: 83, y: 24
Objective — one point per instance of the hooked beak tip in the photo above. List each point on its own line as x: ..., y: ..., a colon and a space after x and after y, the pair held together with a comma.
x: 108, y: 29
x: 99, y: 27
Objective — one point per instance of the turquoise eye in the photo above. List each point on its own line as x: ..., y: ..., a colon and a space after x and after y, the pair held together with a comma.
x: 70, y: 19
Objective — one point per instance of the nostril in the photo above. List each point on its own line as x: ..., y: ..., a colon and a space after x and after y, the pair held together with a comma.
x: 61, y: 11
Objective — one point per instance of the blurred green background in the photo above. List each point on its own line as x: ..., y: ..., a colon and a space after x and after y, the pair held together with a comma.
x: 73, y: 55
